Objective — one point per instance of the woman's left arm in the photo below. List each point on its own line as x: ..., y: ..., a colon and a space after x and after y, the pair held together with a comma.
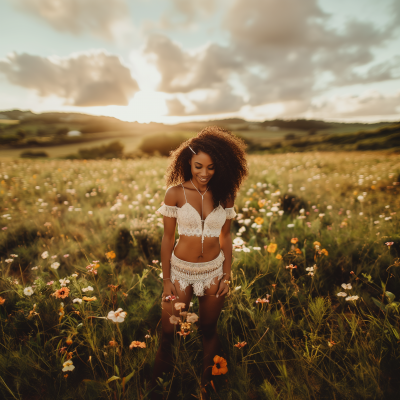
x: 225, y: 240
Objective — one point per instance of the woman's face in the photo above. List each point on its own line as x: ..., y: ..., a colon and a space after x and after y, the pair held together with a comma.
x: 202, y: 168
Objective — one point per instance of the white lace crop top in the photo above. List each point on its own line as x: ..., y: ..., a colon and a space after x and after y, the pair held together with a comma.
x: 190, y: 222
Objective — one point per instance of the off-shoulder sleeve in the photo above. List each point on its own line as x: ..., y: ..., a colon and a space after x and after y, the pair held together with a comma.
x: 230, y: 213
x: 168, y: 211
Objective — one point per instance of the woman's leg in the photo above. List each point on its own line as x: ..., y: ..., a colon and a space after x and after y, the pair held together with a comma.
x: 210, y: 309
x: 164, y: 361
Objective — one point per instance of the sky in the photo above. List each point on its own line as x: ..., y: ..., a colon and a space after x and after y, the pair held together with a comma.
x: 173, y: 61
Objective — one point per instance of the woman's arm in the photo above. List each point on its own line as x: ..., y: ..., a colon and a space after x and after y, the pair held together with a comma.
x: 167, y: 244
x: 225, y: 240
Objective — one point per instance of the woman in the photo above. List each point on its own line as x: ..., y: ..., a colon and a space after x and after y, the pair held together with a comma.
x: 203, y: 178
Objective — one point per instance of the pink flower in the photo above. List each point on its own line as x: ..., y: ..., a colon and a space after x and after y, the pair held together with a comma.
x: 50, y: 283
x: 66, y: 255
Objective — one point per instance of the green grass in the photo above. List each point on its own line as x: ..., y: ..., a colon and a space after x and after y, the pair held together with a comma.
x: 305, y: 343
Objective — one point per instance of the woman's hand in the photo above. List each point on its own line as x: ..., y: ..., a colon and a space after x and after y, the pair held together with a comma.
x: 169, y: 290
x: 223, y: 288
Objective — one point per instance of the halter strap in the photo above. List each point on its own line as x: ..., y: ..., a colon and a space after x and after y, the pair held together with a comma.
x: 184, y: 192
x: 202, y: 220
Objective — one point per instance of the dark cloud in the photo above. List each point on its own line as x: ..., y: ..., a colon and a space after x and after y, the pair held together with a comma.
x: 101, y: 18
x: 85, y: 79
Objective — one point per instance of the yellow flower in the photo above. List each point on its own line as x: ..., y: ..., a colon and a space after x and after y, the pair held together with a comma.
x: 89, y: 298
x: 272, y: 247
x: 110, y: 254
x: 259, y: 221
x: 279, y: 257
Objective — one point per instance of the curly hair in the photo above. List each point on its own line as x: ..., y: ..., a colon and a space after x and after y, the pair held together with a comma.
x: 228, y: 154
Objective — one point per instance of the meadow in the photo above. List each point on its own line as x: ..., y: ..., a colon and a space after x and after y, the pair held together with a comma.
x: 313, y: 312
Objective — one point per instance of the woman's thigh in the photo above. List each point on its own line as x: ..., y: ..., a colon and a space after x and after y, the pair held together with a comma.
x: 168, y: 308
x: 210, y: 306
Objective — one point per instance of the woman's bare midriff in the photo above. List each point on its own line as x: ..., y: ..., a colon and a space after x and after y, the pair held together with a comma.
x: 189, y: 248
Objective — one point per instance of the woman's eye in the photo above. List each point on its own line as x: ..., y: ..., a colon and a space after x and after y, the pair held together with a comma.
x: 198, y: 167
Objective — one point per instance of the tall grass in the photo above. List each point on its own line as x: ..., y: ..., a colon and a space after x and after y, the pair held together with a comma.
x: 307, y: 224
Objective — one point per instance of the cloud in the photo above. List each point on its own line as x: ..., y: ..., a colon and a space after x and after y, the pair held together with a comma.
x: 85, y: 79
x: 278, y: 50
x: 107, y: 19
x: 368, y: 104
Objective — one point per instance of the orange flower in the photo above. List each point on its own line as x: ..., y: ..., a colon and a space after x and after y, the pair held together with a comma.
x: 279, y: 257
x: 291, y: 266
x: 323, y: 251
x: 110, y: 254
x: 294, y: 240
x: 68, y: 341
x: 272, y: 247
x: 298, y: 251
x: 136, y: 343
x: 317, y: 244
x: 240, y: 345
x: 261, y: 203
x: 113, y: 343
x: 2, y: 300
x: 70, y: 355
x: 259, y: 221
x: 89, y: 298
x: 220, y: 366
x: 61, y: 293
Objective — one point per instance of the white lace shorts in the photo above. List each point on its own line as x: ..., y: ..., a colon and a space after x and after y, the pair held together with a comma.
x: 200, y: 275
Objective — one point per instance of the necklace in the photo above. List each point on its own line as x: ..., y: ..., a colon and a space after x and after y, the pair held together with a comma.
x: 202, y: 220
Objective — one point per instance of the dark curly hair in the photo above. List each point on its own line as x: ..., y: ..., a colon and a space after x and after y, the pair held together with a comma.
x: 228, y: 154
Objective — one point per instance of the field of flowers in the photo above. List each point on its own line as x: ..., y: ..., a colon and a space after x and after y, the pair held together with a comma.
x: 312, y: 313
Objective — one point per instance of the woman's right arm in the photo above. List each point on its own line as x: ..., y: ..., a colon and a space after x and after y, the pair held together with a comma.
x: 167, y: 244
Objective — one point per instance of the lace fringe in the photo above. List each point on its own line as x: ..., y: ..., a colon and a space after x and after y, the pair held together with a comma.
x: 200, y: 275
x: 230, y: 213
x: 168, y: 211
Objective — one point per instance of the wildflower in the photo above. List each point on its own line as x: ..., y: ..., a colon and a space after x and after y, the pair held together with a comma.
x: 75, y: 275
x: 272, y: 247
x: 112, y: 343
x: 220, y: 366
x: 155, y: 261
x: 291, y: 266
x: 170, y: 298
x: 351, y: 298
x: 70, y: 355
x: 346, y: 285
x: 240, y: 345
x: 63, y: 282
x: 110, y: 255
x: 259, y: 221
x: 68, y: 341
x: 246, y: 249
x: 55, y: 265
x: 238, y: 288
x: 49, y: 283
x: 66, y: 255
x: 192, y: 317
x: 136, y: 343
x: 331, y: 343
x: 317, y: 244
x: 298, y: 251
x: 87, y: 289
x: 34, y: 268
x: 342, y: 294
x: 8, y: 260
x: 290, y: 225
x: 278, y: 257
x: 147, y: 337
x: 238, y: 241
x: 89, y: 298
x: 28, y: 291
x: 61, y: 293
x: 45, y: 254
x: 323, y: 251
x: 63, y: 350
x: 389, y: 244
x: 294, y: 240
x: 262, y: 301
x: 174, y: 319
x: 117, y: 316
x: 68, y: 366
x: 179, y: 306
x: 53, y: 257
x: 2, y: 300
x: 77, y: 301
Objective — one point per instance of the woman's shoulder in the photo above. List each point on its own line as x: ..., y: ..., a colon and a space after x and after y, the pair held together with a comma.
x: 172, y: 195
